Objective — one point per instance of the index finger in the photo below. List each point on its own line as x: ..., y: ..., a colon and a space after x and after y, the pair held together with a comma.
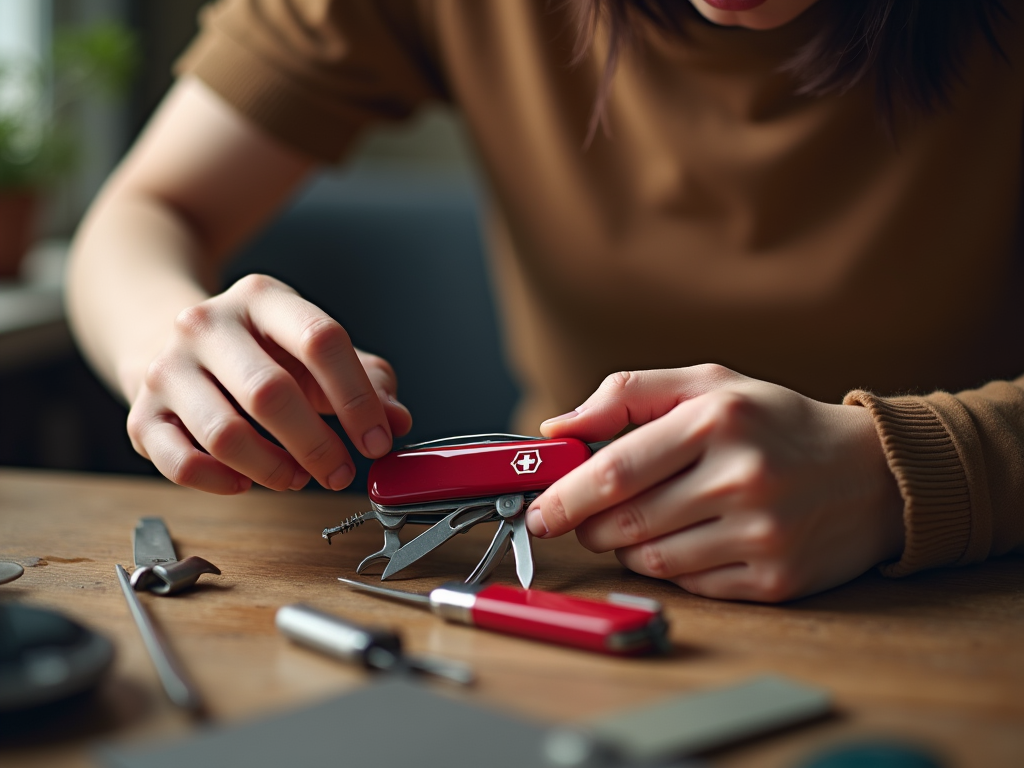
x: 632, y: 464
x: 320, y: 343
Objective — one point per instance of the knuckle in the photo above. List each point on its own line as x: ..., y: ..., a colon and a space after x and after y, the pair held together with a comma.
x: 712, y: 371
x: 279, y: 477
x: 731, y: 412
x: 775, y: 584
x: 158, y: 373
x: 256, y: 284
x: 729, y: 405
x: 612, y: 472
x: 765, y: 536
x: 371, y: 360
x: 752, y: 476
x: 617, y: 383
x: 358, y: 403
x: 318, y: 453
x: 136, y: 425
x: 323, y: 336
x: 195, y: 321
x: 631, y: 522
x: 268, y: 392
x: 226, y: 436
x: 654, y: 561
x: 185, y: 470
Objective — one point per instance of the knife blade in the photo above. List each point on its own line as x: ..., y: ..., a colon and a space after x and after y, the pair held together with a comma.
x: 522, y: 551
x: 152, y: 543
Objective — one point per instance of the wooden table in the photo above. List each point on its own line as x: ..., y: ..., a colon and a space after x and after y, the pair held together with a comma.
x: 936, y: 659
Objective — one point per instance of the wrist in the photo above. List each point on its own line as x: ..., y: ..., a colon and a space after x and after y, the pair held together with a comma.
x: 884, y: 504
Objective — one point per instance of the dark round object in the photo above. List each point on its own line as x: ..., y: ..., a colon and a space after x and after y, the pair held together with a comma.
x: 880, y: 754
x: 46, y: 657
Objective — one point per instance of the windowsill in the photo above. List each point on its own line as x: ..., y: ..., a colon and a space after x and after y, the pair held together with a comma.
x: 33, y: 327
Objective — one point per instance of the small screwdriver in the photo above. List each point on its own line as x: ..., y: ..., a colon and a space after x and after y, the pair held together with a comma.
x: 372, y: 648
x: 623, y: 625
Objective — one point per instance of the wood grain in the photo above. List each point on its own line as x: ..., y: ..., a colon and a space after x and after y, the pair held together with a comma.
x: 936, y: 659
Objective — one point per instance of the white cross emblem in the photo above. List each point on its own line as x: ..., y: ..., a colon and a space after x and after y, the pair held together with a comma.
x: 527, y: 462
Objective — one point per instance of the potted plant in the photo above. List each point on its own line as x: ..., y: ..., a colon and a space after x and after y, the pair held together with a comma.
x: 37, y: 135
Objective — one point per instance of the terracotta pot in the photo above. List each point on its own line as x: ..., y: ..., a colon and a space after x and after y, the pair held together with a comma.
x: 17, y: 228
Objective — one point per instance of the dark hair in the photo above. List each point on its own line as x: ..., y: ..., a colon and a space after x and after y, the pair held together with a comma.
x: 912, y: 48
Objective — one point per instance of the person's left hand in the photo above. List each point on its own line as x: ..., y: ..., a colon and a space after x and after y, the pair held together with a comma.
x: 730, y: 487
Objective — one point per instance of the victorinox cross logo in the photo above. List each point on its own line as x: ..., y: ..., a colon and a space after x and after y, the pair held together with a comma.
x: 527, y: 462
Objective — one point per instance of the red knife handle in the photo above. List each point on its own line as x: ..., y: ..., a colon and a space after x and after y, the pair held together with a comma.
x: 573, y: 621
x: 472, y: 470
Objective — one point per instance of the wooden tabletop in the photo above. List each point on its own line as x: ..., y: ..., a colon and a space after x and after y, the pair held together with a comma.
x: 936, y: 659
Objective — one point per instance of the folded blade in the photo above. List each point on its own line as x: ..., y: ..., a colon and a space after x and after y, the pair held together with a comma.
x: 522, y: 550
x: 494, y: 555
x: 458, y: 521
x: 152, y: 543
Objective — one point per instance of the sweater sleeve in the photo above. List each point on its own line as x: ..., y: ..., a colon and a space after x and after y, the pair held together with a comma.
x: 314, y: 73
x: 959, y: 463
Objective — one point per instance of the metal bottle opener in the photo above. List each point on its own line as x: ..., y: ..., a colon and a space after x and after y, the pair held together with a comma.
x: 456, y: 483
x: 157, y: 567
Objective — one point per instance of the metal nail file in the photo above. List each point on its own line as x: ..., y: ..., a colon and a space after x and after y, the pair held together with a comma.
x: 151, y: 543
x: 175, y: 682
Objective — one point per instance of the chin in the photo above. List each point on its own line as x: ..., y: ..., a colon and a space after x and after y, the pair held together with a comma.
x: 751, y: 14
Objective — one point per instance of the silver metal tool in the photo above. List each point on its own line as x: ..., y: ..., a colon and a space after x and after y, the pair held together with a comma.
x: 445, y: 520
x: 372, y: 648
x: 157, y: 568
x: 511, y: 533
x: 179, y: 689
x: 461, y: 519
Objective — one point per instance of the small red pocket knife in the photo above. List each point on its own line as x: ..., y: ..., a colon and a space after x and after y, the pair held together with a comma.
x: 624, y: 625
x: 452, y: 485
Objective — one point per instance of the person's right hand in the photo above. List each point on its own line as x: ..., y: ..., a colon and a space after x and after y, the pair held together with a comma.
x: 262, y: 351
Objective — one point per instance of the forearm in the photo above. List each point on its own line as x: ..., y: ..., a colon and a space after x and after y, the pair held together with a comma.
x: 135, y: 264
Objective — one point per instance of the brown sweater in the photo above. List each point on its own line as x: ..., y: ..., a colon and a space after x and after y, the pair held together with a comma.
x: 724, y: 220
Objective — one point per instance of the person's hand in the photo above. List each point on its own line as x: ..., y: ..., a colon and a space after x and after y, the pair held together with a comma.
x: 261, y: 350
x: 732, y: 487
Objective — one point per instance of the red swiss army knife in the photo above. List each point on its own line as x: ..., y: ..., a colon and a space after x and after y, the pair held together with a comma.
x: 456, y: 483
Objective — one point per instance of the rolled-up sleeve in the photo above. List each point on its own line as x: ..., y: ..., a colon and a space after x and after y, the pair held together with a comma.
x: 959, y: 462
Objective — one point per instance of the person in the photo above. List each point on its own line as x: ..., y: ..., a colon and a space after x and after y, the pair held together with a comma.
x: 784, y: 234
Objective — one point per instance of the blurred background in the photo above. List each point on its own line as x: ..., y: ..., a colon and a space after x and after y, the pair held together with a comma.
x: 389, y: 243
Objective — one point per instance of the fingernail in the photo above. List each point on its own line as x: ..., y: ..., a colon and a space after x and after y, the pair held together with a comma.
x: 299, y: 480
x: 341, y: 477
x: 243, y: 485
x: 535, y: 523
x: 376, y: 442
x: 563, y: 417
x: 393, y: 401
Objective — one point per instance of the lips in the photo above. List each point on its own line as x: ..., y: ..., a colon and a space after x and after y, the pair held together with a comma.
x: 735, y: 5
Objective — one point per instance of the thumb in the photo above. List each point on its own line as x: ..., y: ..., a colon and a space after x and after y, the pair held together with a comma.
x: 636, y: 397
